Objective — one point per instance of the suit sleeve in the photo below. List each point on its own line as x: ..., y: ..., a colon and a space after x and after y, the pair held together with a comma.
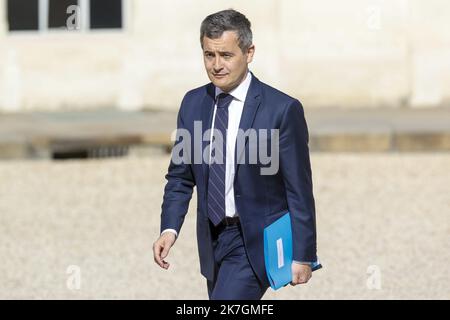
x: 296, y: 171
x: 180, y: 182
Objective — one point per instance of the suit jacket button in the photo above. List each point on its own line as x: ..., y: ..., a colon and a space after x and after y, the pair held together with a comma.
x: 238, y: 196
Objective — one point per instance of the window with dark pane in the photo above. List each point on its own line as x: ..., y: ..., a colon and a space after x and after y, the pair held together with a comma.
x: 57, y: 13
x: 106, y: 14
x: 23, y: 14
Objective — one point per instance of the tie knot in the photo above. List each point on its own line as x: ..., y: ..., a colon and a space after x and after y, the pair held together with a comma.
x: 224, y: 100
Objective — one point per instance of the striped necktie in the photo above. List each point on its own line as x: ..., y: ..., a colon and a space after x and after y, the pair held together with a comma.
x: 217, y: 167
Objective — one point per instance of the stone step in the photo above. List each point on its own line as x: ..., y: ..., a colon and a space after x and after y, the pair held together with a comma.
x: 44, y: 135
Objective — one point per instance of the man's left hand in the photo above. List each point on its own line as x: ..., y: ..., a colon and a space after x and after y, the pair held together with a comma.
x: 301, y: 273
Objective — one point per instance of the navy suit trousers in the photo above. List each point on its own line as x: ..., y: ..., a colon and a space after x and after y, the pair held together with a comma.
x: 235, y: 279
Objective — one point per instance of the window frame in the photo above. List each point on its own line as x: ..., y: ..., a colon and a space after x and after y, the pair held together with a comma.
x: 85, y: 24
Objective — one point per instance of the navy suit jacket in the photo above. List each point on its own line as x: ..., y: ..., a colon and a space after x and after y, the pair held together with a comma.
x: 260, y: 199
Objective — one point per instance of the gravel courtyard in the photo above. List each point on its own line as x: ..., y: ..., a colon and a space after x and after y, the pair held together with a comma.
x: 383, y: 230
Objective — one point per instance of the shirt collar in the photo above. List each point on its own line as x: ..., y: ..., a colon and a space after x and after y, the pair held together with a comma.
x: 240, y: 92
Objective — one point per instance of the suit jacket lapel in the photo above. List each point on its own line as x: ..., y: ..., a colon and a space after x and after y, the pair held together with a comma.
x: 251, y: 105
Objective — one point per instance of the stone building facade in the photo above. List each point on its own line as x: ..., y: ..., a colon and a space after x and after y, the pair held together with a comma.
x: 142, y: 54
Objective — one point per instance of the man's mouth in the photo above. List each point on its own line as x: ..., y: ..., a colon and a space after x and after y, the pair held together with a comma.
x: 219, y: 75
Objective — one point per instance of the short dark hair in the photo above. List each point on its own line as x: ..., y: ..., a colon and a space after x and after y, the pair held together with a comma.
x: 217, y: 23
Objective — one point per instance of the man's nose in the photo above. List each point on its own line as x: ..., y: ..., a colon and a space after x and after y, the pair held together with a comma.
x: 217, y: 64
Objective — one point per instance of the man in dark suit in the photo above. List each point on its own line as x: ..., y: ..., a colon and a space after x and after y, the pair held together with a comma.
x: 238, y: 196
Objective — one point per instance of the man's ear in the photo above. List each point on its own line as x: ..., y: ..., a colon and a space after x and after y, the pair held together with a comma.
x: 250, y: 53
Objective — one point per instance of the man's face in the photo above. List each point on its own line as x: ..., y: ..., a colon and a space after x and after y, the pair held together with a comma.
x: 225, y: 62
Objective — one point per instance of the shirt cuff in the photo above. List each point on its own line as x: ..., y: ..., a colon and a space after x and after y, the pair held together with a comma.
x: 302, y: 262
x: 316, y: 265
x: 171, y: 231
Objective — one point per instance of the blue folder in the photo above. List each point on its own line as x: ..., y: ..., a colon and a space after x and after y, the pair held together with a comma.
x: 278, y: 252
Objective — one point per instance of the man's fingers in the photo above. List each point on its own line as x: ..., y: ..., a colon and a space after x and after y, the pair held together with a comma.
x: 295, y: 279
x: 160, y: 251
x: 300, y: 277
x: 157, y: 249
x: 165, y: 251
x: 164, y: 254
x: 299, y: 281
x: 301, y: 273
x: 303, y: 280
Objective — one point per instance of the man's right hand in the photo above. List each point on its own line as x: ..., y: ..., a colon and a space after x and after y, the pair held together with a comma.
x: 161, y: 248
